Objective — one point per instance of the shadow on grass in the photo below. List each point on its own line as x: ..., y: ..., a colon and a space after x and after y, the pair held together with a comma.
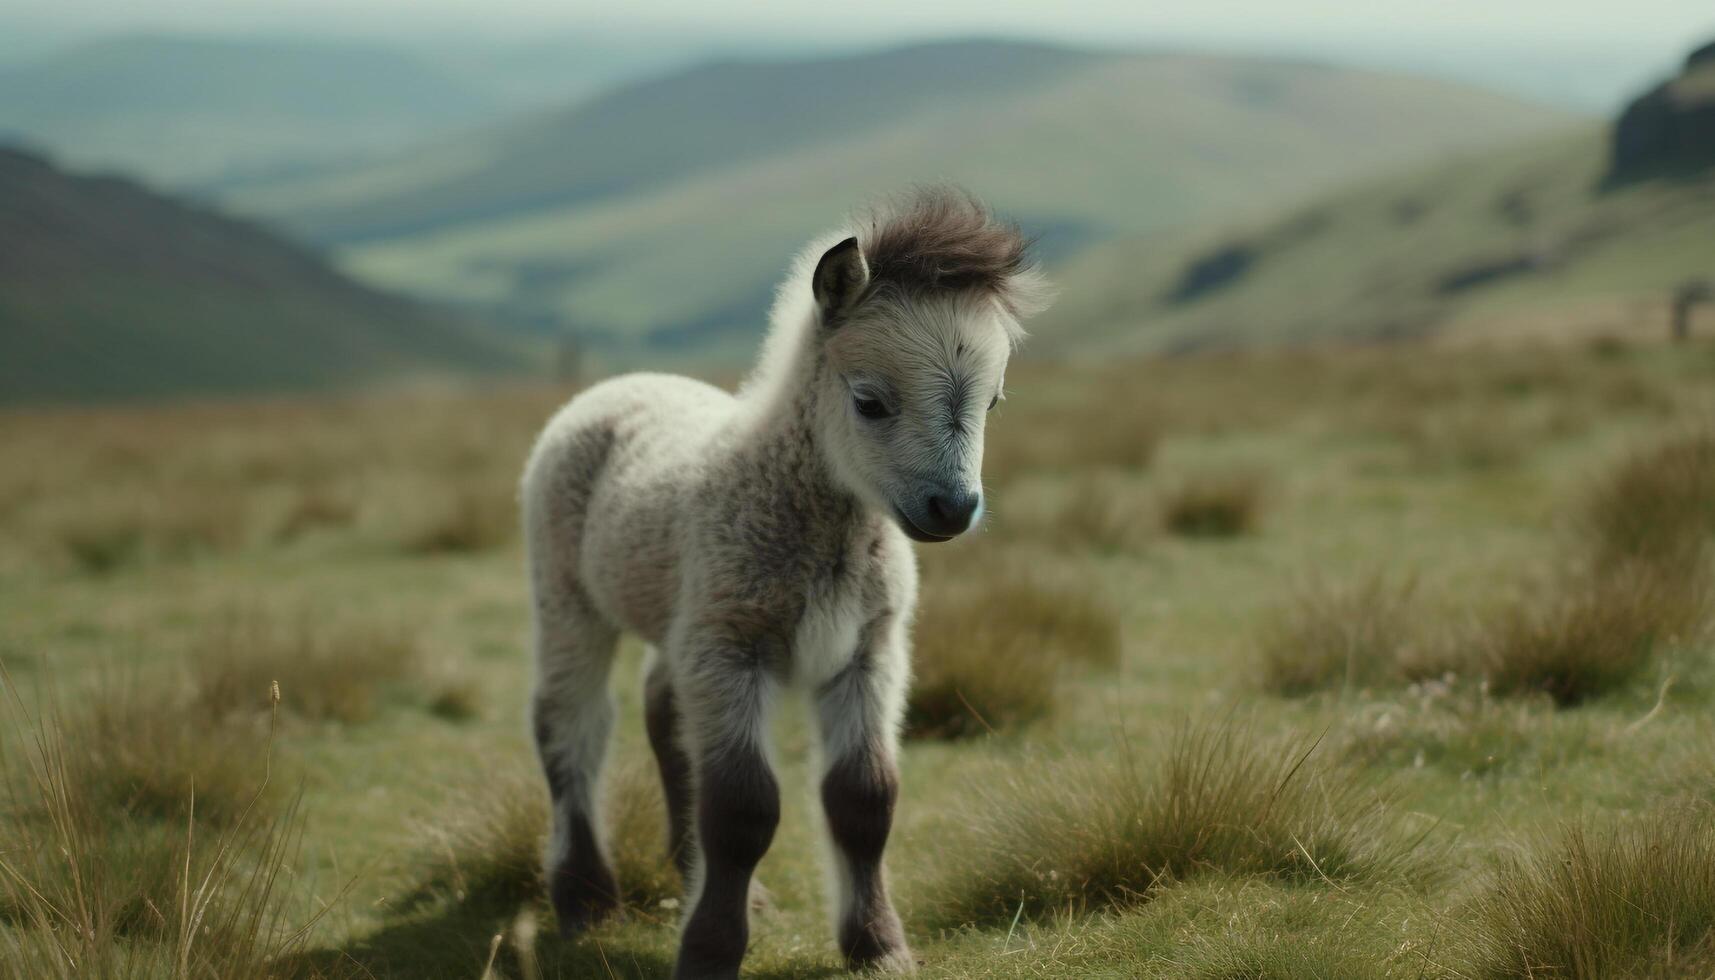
x: 454, y: 942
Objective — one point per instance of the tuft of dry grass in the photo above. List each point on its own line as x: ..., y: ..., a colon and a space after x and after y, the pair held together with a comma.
x: 115, y: 531
x: 326, y: 671
x: 1214, y: 504
x: 315, y: 508
x: 987, y: 657
x: 92, y: 884
x: 132, y: 751
x: 637, y: 834
x: 1069, y: 836
x: 1100, y: 517
x: 488, y: 849
x: 1349, y: 637
x: 470, y: 519
x: 1590, y: 634
x: 1656, y: 506
x: 1633, y: 900
x: 1089, y: 435
x: 456, y: 699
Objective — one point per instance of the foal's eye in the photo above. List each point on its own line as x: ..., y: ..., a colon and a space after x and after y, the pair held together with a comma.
x: 870, y: 408
x: 993, y: 402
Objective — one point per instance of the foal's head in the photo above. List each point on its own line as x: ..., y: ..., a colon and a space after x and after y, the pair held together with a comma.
x: 917, y: 315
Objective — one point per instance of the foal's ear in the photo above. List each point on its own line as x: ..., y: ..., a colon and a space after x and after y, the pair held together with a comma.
x: 839, y: 280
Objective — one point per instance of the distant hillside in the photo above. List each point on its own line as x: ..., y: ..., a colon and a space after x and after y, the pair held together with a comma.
x: 656, y: 219
x: 110, y: 291
x: 1539, y: 238
x: 192, y: 110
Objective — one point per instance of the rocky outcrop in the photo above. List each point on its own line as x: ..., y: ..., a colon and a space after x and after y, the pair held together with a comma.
x: 1669, y: 130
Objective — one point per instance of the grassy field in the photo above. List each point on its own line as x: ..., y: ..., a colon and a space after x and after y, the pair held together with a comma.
x: 1387, y: 662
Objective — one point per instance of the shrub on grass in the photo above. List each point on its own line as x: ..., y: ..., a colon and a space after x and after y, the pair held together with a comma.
x: 1214, y: 504
x: 1099, y: 517
x: 988, y: 658
x: 1634, y: 900
x: 489, y: 848
x: 313, y: 509
x: 1657, y: 506
x: 637, y: 834
x: 1346, y: 638
x: 102, y: 545
x: 456, y: 699
x: 325, y: 671
x: 1090, y: 436
x: 129, y: 750
x: 1591, y: 635
x: 471, y: 519
x: 1475, y: 438
x: 1070, y: 836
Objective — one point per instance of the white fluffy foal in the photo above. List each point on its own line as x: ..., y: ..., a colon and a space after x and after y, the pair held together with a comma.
x: 758, y: 542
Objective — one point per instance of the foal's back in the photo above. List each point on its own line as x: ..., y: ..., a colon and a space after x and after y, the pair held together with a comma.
x: 608, y: 487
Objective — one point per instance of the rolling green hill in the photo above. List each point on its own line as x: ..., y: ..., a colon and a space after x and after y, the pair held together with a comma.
x: 110, y: 291
x: 181, y: 110
x: 657, y: 219
x: 1535, y: 239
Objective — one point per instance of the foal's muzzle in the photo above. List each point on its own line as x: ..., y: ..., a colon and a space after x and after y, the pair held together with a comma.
x: 941, y: 516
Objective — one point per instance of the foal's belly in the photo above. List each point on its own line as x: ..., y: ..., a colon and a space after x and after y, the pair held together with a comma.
x: 629, y: 555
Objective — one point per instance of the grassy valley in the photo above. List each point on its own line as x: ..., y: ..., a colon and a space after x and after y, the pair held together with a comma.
x: 1281, y: 653
x: 657, y: 220
x: 108, y: 290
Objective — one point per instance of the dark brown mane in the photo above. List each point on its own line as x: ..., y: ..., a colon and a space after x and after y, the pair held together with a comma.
x: 943, y: 239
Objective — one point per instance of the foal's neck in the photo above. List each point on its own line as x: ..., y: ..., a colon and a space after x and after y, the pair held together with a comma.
x: 782, y: 444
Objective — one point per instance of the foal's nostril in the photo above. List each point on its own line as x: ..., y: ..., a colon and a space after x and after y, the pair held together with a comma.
x: 951, y: 513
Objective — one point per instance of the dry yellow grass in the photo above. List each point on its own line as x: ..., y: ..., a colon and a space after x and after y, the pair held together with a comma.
x: 1343, y: 638
x: 1657, y: 506
x: 1588, y: 634
x: 1049, y: 836
x: 1214, y: 503
x: 1635, y: 899
x: 325, y: 670
x: 486, y: 849
x: 122, y: 861
x: 989, y: 653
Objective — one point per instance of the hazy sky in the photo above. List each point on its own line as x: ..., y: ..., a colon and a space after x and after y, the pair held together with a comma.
x: 1632, y: 21
x: 1546, y: 44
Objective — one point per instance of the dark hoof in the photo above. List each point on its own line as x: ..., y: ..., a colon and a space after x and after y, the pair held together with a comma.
x: 583, y: 898
x: 879, y: 946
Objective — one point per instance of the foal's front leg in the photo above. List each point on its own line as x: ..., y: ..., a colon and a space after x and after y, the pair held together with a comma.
x: 858, y: 713
x: 725, y: 701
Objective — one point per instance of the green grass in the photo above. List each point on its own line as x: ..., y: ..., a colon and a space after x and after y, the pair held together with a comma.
x: 1206, y: 851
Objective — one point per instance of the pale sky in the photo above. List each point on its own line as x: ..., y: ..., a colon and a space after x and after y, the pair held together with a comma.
x: 1577, y: 21
x: 1514, y: 43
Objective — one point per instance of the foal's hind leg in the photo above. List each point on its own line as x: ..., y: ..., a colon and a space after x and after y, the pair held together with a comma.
x: 572, y: 714
x: 661, y: 717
